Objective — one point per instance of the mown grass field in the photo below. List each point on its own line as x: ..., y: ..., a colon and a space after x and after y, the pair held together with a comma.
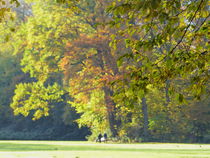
x: 66, y: 149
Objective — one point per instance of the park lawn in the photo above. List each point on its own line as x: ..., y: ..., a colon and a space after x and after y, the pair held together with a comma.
x: 68, y: 149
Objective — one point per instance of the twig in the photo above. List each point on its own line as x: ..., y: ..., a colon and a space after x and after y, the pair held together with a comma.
x: 198, y: 30
x: 186, y: 28
x: 183, y: 34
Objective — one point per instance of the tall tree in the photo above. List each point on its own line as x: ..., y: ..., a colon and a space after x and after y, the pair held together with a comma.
x: 94, y: 65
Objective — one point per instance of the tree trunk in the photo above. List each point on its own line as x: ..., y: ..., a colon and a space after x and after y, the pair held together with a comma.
x: 111, y: 112
x: 110, y: 104
x: 146, y: 121
x: 167, y: 92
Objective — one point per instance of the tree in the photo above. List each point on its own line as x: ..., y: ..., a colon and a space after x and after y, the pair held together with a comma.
x: 89, y: 66
x: 133, y: 71
x: 40, y: 97
x: 164, y: 37
x: 161, y: 40
x: 41, y: 41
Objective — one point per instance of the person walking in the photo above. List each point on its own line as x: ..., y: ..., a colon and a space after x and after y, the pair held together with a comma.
x: 105, y: 137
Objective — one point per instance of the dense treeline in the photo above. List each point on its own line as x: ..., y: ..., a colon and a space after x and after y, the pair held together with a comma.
x: 137, y: 70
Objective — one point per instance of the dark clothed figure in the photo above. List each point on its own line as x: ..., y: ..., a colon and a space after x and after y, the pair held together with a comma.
x: 99, y: 137
x: 105, y: 136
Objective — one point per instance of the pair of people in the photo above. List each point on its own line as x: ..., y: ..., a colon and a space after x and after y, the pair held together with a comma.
x: 102, y: 138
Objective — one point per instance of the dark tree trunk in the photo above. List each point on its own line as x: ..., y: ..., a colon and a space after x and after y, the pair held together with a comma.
x: 146, y: 121
x: 110, y: 104
x: 167, y: 92
x: 111, y: 112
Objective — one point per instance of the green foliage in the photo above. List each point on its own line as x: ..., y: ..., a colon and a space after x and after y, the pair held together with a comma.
x: 5, y: 9
x: 43, y: 37
x: 164, y: 38
x: 162, y: 42
x: 35, y: 97
x: 93, y: 112
x: 38, y: 99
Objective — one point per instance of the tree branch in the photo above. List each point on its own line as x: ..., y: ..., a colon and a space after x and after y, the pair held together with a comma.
x: 186, y: 28
x: 183, y: 33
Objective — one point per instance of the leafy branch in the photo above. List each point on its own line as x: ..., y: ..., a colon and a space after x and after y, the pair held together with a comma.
x: 186, y: 28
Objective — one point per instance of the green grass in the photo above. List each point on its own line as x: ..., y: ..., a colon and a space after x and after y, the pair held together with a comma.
x: 66, y: 149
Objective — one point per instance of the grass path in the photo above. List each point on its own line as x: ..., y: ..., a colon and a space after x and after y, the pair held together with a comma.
x: 66, y: 149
